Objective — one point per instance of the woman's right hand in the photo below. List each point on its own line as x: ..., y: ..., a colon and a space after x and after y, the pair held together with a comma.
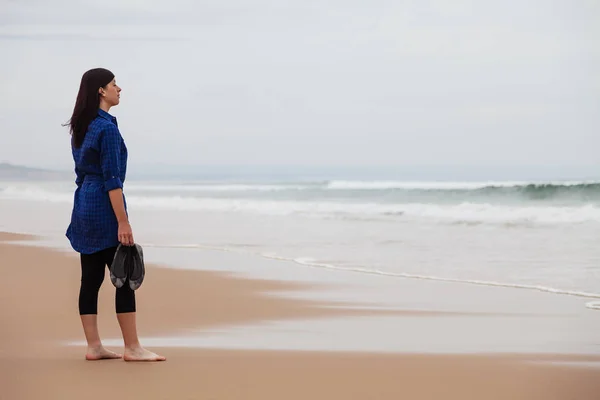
x: 125, y: 234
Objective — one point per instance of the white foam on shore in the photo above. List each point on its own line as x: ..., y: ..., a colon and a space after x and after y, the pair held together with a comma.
x: 309, y: 262
x: 594, y: 305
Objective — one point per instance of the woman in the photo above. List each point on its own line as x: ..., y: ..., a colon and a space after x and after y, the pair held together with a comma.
x: 99, y: 221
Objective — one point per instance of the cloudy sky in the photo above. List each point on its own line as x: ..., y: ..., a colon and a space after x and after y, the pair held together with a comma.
x: 317, y: 83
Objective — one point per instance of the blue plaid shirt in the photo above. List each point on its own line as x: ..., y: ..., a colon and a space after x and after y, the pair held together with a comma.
x: 100, y: 166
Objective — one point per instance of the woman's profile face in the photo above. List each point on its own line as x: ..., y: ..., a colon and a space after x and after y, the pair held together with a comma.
x: 111, y: 93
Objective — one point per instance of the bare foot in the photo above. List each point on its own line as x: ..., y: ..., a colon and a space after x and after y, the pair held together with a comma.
x: 141, y: 354
x: 100, y: 353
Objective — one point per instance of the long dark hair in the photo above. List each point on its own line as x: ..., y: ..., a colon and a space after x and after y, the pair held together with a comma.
x: 87, y: 103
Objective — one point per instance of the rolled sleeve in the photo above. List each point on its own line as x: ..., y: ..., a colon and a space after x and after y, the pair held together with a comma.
x: 110, y: 150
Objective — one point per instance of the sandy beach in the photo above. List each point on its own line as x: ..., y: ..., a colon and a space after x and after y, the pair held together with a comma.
x: 38, y: 310
x: 336, y: 200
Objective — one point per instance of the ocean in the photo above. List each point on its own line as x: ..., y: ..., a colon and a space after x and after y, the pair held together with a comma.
x: 534, y: 235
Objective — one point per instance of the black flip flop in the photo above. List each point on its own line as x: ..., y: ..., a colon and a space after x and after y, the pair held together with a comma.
x: 137, y: 270
x: 119, y: 266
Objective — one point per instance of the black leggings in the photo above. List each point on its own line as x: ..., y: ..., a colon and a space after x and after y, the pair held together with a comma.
x: 92, y: 275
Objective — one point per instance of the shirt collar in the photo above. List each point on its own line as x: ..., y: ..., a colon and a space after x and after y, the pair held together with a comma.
x: 105, y: 115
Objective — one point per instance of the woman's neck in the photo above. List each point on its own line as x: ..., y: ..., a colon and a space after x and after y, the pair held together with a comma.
x: 104, y: 106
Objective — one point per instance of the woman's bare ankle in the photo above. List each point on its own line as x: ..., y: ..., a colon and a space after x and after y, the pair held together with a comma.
x: 133, y: 346
x: 95, y: 345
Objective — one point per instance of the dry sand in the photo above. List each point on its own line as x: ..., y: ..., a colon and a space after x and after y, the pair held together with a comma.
x: 38, y: 311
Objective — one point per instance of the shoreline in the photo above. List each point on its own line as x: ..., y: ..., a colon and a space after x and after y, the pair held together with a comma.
x: 39, y: 311
x: 240, y: 299
x: 568, y: 272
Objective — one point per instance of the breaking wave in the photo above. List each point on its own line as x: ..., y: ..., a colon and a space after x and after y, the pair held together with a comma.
x: 360, y: 209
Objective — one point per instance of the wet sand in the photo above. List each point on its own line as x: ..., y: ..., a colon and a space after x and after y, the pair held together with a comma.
x: 38, y: 310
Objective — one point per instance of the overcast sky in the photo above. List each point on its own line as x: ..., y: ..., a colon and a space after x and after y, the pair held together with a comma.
x: 307, y: 82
